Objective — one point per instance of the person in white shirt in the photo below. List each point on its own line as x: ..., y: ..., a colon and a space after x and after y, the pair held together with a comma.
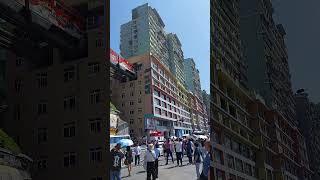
x: 179, y: 152
x: 137, y: 152
x: 150, y: 158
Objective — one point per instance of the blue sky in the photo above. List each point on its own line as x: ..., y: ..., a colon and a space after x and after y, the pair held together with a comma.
x: 189, y: 19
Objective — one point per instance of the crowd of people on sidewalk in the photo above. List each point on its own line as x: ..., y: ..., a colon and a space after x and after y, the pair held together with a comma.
x: 198, y: 152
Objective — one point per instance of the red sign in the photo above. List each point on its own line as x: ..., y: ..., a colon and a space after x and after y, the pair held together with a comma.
x: 113, y: 57
x: 124, y: 64
x: 156, y: 134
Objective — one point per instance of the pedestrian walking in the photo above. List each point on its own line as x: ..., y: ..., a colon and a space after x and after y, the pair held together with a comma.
x: 157, y: 152
x: 197, y: 158
x: 129, y: 159
x: 189, y: 150
x: 137, y: 152
x: 117, y: 155
x: 169, y: 147
x: 150, y: 158
x: 205, y: 175
x: 179, y: 152
x: 203, y: 149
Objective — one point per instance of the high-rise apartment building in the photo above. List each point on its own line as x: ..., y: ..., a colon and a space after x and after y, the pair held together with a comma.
x: 308, y: 118
x: 252, y: 140
x: 266, y: 55
x: 198, y: 111
x: 176, y: 61
x: 192, y: 77
x: 56, y: 103
x: 155, y: 101
x: 144, y: 33
x: 206, y: 101
x: 231, y: 132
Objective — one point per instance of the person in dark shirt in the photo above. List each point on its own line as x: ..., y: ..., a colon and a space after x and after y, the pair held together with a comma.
x: 116, y: 155
x: 129, y: 159
x: 197, y: 158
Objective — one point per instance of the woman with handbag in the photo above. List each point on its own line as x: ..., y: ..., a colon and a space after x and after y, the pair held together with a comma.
x: 129, y: 159
x: 150, y: 158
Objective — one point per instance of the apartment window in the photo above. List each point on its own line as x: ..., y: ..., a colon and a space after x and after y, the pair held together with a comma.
x: 230, y: 161
x: 131, y: 121
x: 99, y: 43
x: 42, y: 135
x: 123, y: 95
x: 140, y: 110
x: 139, y: 100
x: 247, y: 169
x: 69, y: 103
x: 218, y: 156
x: 19, y: 61
x: 232, y: 177
x: 158, y: 102
x: 164, y: 104
x: 93, y: 68
x: 18, y: 85
x: 42, y: 108
x: 131, y: 131
x: 95, y: 125
x: 43, y: 162
x: 170, y: 114
x: 157, y: 111
x: 69, y: 74
x: 131, y: 94
x: 227, y: 141
x: 131, y: 112
x: 69, y: 159
x: 131, y: 84
x: 123, y: 104
x: 94, y: 97
x: 163, y: 96
x: 239, y: 166
x: 69, y: 130
x: 157, y: 93
x: 95, y: 155
x: 17, y: 112
x: 131, y: 103
x: 42, y: 79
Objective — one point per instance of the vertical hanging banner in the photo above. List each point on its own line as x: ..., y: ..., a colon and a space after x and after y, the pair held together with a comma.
x: 149, y: 122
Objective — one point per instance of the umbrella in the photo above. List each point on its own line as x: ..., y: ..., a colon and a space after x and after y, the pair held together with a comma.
x: 126, y: 142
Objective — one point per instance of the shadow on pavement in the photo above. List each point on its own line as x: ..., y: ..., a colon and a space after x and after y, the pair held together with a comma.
x: 140, y: 172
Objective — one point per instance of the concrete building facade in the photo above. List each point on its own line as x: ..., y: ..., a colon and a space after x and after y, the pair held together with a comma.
x: 252, y: 139
x: 266, y: 55
x: 56, y: 107
x: 192, y: 77
x: 176, y: 57
x: 308, y: 117
x: 144, y: 33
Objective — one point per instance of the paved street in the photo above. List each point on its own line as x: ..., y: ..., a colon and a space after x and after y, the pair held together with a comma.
x: 166, y: 172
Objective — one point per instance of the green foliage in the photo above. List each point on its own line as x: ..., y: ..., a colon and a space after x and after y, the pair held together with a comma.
x: 113, y: 107
x: 8, y: 143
